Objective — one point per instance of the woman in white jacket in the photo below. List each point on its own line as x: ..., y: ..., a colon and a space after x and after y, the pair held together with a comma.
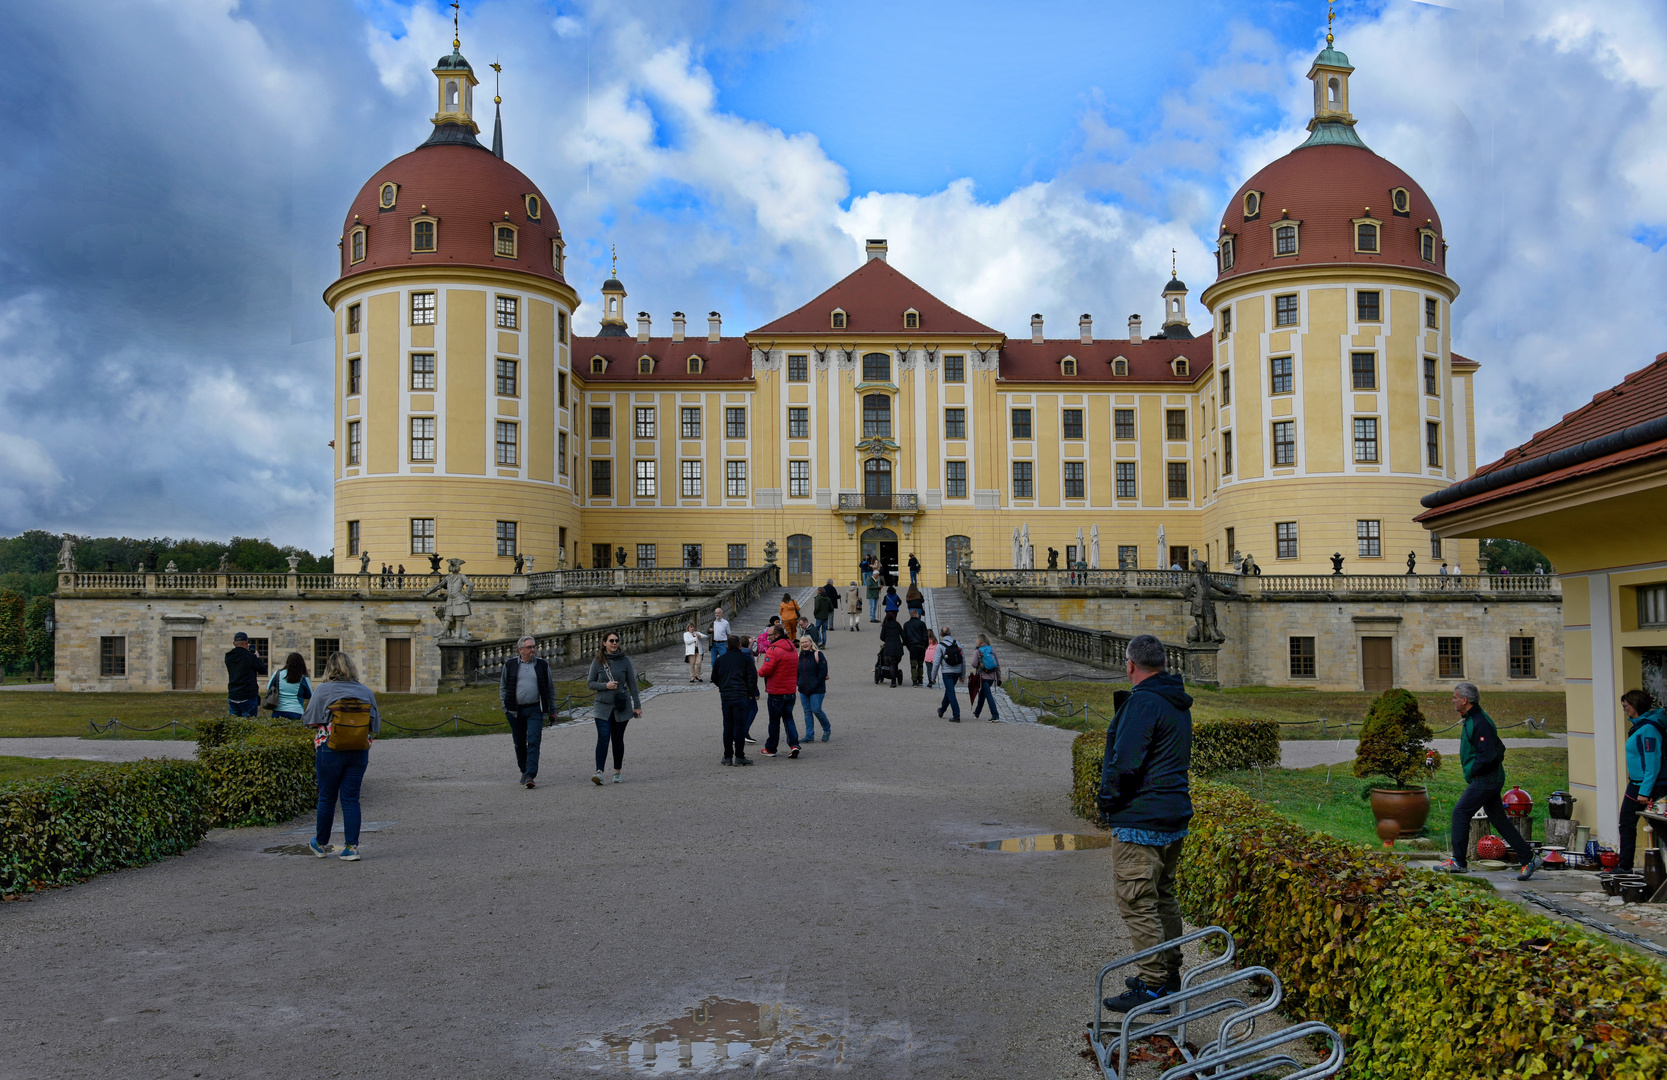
x: 692, y: 651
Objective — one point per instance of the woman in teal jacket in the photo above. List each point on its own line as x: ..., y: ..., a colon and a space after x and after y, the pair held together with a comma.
x: 1644, y: 779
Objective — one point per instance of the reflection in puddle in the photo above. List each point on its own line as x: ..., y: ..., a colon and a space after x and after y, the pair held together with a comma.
x: 716, y: 1034
x: 1047, y: 842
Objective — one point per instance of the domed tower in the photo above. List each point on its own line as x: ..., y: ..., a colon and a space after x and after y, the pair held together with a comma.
x: 452, y: 326
x: 1335, y: 401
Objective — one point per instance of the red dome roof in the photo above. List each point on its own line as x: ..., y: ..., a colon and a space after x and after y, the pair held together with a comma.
x: 468, y: 189
x: 1325, y: 188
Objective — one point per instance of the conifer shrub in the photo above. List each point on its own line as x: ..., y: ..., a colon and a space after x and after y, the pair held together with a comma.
x: 1395, y: 740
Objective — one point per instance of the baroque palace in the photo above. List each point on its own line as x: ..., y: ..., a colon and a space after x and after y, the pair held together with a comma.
x: 1318, y: 403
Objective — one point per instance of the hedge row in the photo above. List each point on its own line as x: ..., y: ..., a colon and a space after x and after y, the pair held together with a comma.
x: 1224, y: 745
x: 60, y: 829
x: 1424, y: 977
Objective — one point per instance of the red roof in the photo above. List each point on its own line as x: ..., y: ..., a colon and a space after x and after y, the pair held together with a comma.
x: 725, y: 360
x: 1149, y: 361
x: 468, y: 189
x: 1325, y: 188
x: 1639, y: 397
x: 874, y: 298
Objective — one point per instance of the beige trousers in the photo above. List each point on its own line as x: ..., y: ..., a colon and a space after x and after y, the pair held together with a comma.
x: 694, y: 660
x: 1145, y: 881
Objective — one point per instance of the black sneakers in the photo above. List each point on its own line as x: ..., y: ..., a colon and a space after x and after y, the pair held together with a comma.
x: 1138, y: 993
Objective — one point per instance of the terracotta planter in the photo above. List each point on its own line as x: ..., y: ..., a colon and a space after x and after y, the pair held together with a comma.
x: 1410, y: 807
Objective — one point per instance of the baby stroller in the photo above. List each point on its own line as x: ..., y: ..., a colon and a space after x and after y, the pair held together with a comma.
x: 887, y: 668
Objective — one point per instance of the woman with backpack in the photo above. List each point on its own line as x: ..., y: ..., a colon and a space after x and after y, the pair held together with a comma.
x: 614, y: 679
x: 950, y: 666
x: 989, y: 675
x: 1646, y: 779
x: 343, y: 716
x: 290, y: 685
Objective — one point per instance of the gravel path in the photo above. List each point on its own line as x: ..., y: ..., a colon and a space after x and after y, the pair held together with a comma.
x: 493, y: 931
x: 71, y: 746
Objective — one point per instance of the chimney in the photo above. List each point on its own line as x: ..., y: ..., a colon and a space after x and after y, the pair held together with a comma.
x: 1036, y: 329
x: 1134, y: 329
x: 876, y: 249
x: 642, y: 326
x: 1085, y: 329
x: 677, y: 326
x: 714, y: 326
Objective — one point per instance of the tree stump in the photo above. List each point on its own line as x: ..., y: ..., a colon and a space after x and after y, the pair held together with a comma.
x: 1480, y: 826
x: 1560, y: 832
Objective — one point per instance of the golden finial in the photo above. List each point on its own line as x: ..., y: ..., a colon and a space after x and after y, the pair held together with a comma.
x: 456, y: 36
x: 1329, y: 16
x: 1172, y: 271
x: 615, y: 271
x: 497, y: 69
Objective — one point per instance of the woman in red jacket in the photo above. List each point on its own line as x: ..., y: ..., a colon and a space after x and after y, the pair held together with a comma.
x: 780, y: 668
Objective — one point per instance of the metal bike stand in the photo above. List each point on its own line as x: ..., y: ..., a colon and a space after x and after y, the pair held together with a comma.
x: 1242, y: 1060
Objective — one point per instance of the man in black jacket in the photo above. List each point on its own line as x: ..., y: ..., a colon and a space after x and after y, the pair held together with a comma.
x: 1144, y: 798
x: 736, y: 677
x: 914, y: 640
x: 243, y: 665
x: 528, y: 696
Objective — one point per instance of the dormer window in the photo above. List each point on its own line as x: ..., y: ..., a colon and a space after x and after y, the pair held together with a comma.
x: 1426, y: 245
x: 1366, y: 235
x: 696, y: 365
x: 504, y: 238
x: 1224, y: 254
x: 598, y: 365
x: 1119, y: 366
x: 837, y: 321
x: 424, y: 234
x: 1068, y: 366
x: 911, y: 319
x: 1179, y: 366
x: 535, y: 207
x: 1285, y: 238
x: 356, y: 245
x: 558, y: 253
x: 1252, y: 205
x: 390, y: 194
x: 645, y: 365
x: 1400, y: 202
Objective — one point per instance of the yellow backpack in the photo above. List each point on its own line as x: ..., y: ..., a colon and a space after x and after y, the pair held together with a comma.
x: 349, y: 725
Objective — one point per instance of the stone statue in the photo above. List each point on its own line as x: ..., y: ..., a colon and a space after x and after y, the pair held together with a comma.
x: 965, y: 558
x: 1018, y: 552
x: 1082, y: 549
x: 294, y: 562
x: 1412, y: 562
x: 1336, y: 563
x: 433, y: 563
x: 561, y: 559
x: 1053, y: 559
x: 225, y: 566
x: 520, y: 563
x: 457, y: 589
x: 530, y: 559
x: 769, y: 552
x: 66, y: 555
x: 364, y: 562
x: 1027, y: 553
x: 619, y: 555
x: 171, y: 568
x: 1249, y: 567
x: 1201, y: 595
x: 1094, y: 546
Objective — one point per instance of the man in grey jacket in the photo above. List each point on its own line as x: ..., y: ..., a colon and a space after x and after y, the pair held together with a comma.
x: 528, y: 696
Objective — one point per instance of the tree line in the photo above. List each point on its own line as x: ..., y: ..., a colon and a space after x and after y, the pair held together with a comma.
x: 29, y: 562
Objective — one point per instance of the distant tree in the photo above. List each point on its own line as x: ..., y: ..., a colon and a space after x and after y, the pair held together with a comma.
x: 11, y: 630
x: 37, y: 642
x: 1513, y: 555
x: 28, y: 562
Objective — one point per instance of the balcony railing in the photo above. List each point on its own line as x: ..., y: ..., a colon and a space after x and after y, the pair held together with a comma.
x: 1523, y: 585
x: 894, y: 503
x: 408, y: 586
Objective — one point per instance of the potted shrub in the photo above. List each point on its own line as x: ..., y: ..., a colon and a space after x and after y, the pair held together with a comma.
x: 1395, y: 743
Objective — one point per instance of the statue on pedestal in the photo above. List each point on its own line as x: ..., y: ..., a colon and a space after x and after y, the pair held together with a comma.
x: 1094, y: 546
x: 1053, y: 559
x: 1018, y: 557
x: 456, y: 589
x: 520, y: 563
x: 1201, y: 595
x: 433, y: 562
x: 619, y: 555
x: 561, y: 559
x: 1412, y: 562
x: 66, y: 555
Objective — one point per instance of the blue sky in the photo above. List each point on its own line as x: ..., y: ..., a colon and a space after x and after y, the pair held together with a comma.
x: 169, y: 214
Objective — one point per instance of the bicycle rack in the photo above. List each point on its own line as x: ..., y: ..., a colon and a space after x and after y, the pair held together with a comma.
x: 1226, y: 1058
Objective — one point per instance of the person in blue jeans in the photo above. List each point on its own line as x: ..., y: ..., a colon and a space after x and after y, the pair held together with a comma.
x: 951, y: 666
x: 813, y: 687
x: 294, y: 691
x: 243, y: 667
x: 988, y: 677
x: 892, y: 603
x: 339, y: 772
x: 528, y: 696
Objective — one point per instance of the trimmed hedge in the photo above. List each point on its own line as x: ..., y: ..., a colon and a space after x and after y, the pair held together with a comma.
x: 1234, y: 743
x: 219, y: 730
x: 60, y: 829
x: 1088, y: 755
x: 261, y: 779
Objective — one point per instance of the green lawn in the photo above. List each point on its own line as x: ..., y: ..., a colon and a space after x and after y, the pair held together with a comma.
x: 27, y: 768
x: 1327, y: 798
x: 26, y: 713
x: 1295, y: 709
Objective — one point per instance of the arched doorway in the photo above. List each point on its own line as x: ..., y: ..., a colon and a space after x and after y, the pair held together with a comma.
x: 883, y: 544
x: 799, y: 568
x: 953, y: 547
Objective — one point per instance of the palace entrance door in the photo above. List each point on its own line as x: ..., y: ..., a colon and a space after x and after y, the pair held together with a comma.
x: 881, y: 543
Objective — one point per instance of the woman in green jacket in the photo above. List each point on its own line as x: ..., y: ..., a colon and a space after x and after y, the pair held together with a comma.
x: 1644, y: 775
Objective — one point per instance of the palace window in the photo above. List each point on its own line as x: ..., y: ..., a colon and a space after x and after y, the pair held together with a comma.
x: 1280, y: 376
x: 1368, y: 539
x: 735, y: 423
x: 1021, y: 423
x: 1071, y: 423
x: 1180, y: 367
x: 876, y: 416
x: 955, y: 479
x: 422, y: 536
x: 798, y: 422
x: 1023, y: 481
x: 1068, y: 366
x: 1226, y: 387
x: 694, y: 365
x: 506, y: 539
x: 1285, y: 240
x: 1652, y: 606
x: 506, y: 241
x: 422, y: 371
x: 561, y: 389
x: 1432, y: 444
x: 1074, y: 483
x: 356, y: 248
x: 112, y: 657
x: 798, y: 367
x: 837, y: 321
x: 876, y: 367
x: 509, y: 312
x: 1226, y: 322
x: 1126, y: 472
x: 601, y: 478
x: 422, y: 309
x: 1224, y: 253
x: 1449, y: 653
x: 1426, y: 245
x: 954, y: 369
x: 355, y: 375
x: 1399, y: 201
x: 422, y: 235
x: 535, y: 207
x: 598, y: 365
x: 645, y: 423
x: 422, y: 438
x: 353, y: 538
x: 648, y: 556
x: 355, y: 318
x: 601, y: 422
x: 1175, y: 425
x: 1302, y: 658
x: 1366, y: 237
x: 1366, y: 438
x: 647, y: 482
x: 876, y: 477
x: 355, y: 442
x: 1124, y: 423
x: 561, y: 453
x: 691, y: 480
x: 1252, y: 204
x: 1119, y: 366
x: 798, y: 479
x: 1432, y: 370
x: 645, y: 365
x: 1522, y: 658
x: 1435, y: 546
x: 911, y: 320
x: 955, y: 423
x: 1177, y: 479
x: 736, y: 556
x: 1431, y: 309
x: 561, y: 327
x: 1285, y: 442
x: 1364, y: 366
x: 1366, y: 308
x: 735, y: 479
x: 508, y: 443
x: 691, y: 422
x: 1227, y: 453
x: 1285, y: 310
x: 509, y: 378
x: 558, y: 259
x: 1285, y: 540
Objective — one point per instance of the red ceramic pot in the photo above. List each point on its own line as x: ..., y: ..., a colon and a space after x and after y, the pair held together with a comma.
x: 1609, y: 859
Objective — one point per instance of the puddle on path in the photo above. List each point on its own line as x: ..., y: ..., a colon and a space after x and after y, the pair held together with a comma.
x: 1046, y: 842
x: 287, y: 849
x: 719, y: 1034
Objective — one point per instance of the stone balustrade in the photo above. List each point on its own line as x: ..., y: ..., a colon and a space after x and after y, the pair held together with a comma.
x: 550, y: 583
x: 1174, y: 583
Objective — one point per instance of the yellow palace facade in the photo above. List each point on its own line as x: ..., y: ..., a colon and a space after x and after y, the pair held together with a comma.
x: 1316, y: 405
